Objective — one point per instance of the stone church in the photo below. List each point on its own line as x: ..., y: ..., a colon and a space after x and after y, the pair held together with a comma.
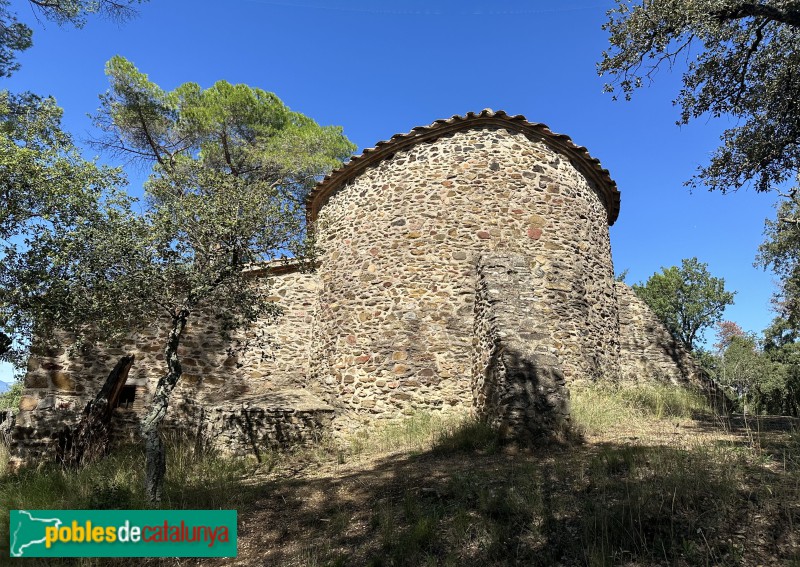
x: 463, y: 265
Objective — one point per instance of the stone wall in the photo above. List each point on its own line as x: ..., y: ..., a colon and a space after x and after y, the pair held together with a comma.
x: 466, y: 264
x: 517, y: 378
x: 648, y: 351
x: 269, y: 356
x: 250, y: 425
x: 253, y: 425
x: 399, y: 245
x: 266, y: 360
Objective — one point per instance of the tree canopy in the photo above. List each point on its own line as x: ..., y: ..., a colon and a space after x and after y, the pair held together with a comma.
x: 757, y: 375
x: 780, y: 251
x: 230, y: 166
x: 687, y: 299
x: 42, y: 175
x: 741, y: 59
x: 45, y: 186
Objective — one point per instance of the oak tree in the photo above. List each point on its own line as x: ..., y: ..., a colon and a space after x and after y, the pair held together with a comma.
x: 45, y: 186
x: 687, y: 299
x: 739, y: 58
x: 41, y: 172
x: 230, y: 166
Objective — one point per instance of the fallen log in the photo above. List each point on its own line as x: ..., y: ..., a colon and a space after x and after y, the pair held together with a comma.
x: 89, y: 439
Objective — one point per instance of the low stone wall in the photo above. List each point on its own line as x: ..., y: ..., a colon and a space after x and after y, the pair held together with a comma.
x: 270, y: 355
x: 34, y: 437
x: 518, y: 381
x: 254, y: 425
x: 248, y: 426
x: 270, y: 358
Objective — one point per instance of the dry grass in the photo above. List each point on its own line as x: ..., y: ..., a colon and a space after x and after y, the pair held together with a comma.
x: 598, y: 408
x: 657, y: 480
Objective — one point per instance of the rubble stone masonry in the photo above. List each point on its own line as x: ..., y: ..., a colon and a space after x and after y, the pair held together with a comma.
x: 398, y: 268
x: 465, y: 265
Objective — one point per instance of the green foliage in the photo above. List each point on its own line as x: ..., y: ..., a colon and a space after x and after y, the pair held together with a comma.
x: 42, y: 176
x: 743, y: 365
x: 15, y: 37
x: 230, y: 169
x: 47, y: 191
x: 10, y: 398
x: 688, y: 299
x: 739, y: 58
x: 664, y: 401
x: 757, y: 378
x: 782, y: 347
x: 780, y: 251
x: 231, y: 166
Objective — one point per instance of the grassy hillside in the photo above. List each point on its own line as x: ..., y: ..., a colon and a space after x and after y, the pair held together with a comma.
x: 653, y: 478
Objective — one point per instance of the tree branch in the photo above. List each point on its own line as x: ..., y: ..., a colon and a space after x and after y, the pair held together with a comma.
x: 226, y: 150
x: 150, y: 141
x: 119, y: 10
x: 790, y: 17
x: 753, y: 47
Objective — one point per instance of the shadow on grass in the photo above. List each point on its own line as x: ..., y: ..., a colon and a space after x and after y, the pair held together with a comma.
x: 599, y: 506
x: 468, y: 501
x: 772, y: 437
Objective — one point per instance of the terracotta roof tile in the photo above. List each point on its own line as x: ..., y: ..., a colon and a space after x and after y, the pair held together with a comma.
x: 561, y: 143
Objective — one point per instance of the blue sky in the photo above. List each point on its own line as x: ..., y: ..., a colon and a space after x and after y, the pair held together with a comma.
x: 378, y: 68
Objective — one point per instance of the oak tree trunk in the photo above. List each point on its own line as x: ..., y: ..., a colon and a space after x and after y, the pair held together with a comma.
x: 156, y: 462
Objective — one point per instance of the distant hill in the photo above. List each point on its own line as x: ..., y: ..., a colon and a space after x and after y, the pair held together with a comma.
x: 4, y: 386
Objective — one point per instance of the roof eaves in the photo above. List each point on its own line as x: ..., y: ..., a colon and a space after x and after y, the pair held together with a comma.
x: 590, y: 166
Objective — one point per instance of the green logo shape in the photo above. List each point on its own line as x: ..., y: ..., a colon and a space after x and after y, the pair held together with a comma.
x: 122, y: 533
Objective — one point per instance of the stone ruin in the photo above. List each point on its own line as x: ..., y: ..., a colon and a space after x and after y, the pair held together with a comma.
x: 466, y: 264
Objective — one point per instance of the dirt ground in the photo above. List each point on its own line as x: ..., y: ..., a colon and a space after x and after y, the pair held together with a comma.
x: 457, y: 507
